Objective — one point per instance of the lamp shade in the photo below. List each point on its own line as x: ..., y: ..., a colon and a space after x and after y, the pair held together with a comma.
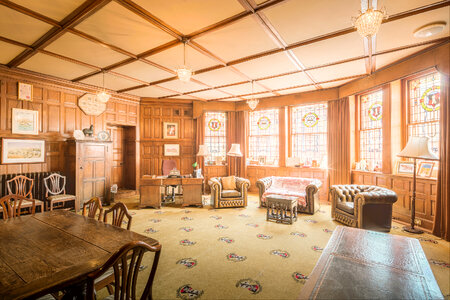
x: 203, y: 150
x: 418, y: 147
x: 235, y: 150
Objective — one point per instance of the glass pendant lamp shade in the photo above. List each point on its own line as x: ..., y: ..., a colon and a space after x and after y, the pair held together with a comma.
x: 103, y: 96
x: 368, y: 23
x: 252, y: 102
x: 183, y: 73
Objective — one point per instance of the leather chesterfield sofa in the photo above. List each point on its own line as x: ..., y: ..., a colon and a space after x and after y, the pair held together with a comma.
x: 363, y: 206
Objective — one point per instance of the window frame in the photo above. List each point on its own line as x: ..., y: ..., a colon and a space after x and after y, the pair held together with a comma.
x: 205, y: 135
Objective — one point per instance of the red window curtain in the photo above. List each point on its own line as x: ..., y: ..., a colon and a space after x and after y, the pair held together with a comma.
x: 441, y: 226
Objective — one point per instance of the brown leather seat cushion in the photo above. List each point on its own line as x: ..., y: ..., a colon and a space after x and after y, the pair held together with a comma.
x: 346, y: 206
x: 230, y: 194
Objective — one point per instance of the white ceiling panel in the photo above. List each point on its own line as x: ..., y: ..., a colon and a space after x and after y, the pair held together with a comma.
x: 298, y: 20
x: 50, y: 65
x: 211, y: 94
x: 396, y: 6
x: 81, y: 49
x: 143, y: 71
x: 49, y: 8
x: 356, y: 67
x: 219, y: 77
x: 8, y: 52
x: 242, y: 89
x: 240, y: 39
x: 173, y: 58
x: 266, y: 66
x: 117, y: 25
x: 192, y: 15
x: 259, y: 96
x: 297, y: 90
x: 150, y: 91
x: 112, y: 82
x: 389, y: 58
x: 183, y: 87
x: 20, y: 27
x: 286, y: 81
x: 335, y: 83
x: 331, y: 50
x: 400, y: 33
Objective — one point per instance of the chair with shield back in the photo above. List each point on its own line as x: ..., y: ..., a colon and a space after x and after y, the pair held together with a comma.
x: 23, y: 186
x: 55, y: 186
x: 91, y: 207
x: 10, y: 206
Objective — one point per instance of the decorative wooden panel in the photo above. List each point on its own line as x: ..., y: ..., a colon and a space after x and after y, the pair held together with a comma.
x: 402, y: 185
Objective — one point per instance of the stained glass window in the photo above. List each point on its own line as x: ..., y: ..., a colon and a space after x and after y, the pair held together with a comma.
x: 309, y: 133
x: 371, y: 132
x: 216, y: 135
x: 423, y: 107
x: 263, y: 141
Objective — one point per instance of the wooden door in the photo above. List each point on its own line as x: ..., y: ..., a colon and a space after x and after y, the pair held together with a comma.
x: 117, y: 170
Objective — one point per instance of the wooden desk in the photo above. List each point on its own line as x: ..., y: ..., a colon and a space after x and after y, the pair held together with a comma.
x: 363, y: 264
x: 58, y: 248
x: 150, y: 190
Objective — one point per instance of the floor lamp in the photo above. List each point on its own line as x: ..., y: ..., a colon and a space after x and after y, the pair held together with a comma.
x: 416, y: 148
x: 235, y: 151
x: 203, y: 151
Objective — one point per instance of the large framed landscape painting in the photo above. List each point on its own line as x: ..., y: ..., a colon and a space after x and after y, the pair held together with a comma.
x: 17, y: 151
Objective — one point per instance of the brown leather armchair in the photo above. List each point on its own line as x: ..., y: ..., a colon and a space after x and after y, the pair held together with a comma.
x: 229, y: 198
x: 363, y: 206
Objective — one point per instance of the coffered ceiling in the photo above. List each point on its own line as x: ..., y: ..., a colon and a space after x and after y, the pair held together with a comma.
x: 284, y: 46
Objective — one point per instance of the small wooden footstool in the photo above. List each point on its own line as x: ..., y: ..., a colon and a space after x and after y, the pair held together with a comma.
x: 278, y: 208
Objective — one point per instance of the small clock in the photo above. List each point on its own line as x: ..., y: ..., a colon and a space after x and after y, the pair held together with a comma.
x: 103, y: 136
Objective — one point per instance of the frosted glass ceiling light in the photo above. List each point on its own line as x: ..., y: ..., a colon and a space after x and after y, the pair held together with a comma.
x: 429, y: 30
x: 184, y: 74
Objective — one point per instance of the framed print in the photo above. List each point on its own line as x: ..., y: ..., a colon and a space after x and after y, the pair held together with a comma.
x: 405, y: 167
x: 262, y: 160
x: 25, y: 91
x: 425, y: 168
x: 25, y: 121
x: 170, y: 130
x: 16, y: 151
x: 171, y: 150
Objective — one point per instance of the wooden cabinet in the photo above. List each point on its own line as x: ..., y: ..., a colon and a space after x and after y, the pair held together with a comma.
x: 88, y: 170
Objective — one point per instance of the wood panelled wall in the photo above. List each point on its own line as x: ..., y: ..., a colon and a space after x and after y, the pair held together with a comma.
x: 426, y: 190
x: 153, y: 116
x: 59, y: 116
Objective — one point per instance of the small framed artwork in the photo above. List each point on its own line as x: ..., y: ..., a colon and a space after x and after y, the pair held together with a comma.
x: 171, y: 150
x: 425, y: 168
x: 170, y: 130
x: 25, y: 91
x: 262, y: 160
x: 405, y: 167
x: 25, y: 121
x: 16, y: 151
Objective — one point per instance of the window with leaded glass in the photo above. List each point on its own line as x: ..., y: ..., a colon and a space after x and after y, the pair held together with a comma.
x: 309, y: 134
x: 263, y: 144
x: 370, y: 131
x: 423, y: 108
x: 216, y: 136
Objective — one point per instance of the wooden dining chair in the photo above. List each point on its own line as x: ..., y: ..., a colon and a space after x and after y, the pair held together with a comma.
x: 55, y: 191
x: 10, y: 206
x: 23, y: 186
x: 126, y: 271
x: 118, y: 212
x: 91, y: 207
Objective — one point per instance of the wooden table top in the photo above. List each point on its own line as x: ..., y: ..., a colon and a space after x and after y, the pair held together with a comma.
x: 52, y: 248
x: 363, y: 264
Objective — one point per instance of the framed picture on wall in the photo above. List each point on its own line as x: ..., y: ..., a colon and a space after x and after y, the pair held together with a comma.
x: 425, y: 168
x: 405, y: 167
x: 170, y: 130
x: 171, y: 150
x: 25, y: 121
x: 17, y: 151
x: 25, y: 91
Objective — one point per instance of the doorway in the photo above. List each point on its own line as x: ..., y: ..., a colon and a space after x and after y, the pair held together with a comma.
x: 123, y: 172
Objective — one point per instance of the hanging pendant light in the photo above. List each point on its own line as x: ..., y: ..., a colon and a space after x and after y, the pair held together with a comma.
x: 368, y: 23
x: 184, y: 74
x: 103, y: 96
x: 252, y: 102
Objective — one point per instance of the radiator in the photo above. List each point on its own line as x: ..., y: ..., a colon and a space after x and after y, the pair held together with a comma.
x: 38, y: 191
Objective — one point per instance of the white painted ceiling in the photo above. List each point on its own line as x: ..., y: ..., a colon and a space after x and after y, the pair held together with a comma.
x: 284, y: 46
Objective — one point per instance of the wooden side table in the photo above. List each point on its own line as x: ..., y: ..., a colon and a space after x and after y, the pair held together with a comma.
x: 278, y: 208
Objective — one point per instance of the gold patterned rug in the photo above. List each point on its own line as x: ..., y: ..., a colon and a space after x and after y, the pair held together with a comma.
x: 234, y: 253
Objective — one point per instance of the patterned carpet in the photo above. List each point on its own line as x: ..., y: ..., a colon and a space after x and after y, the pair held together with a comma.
x: 235, y: 254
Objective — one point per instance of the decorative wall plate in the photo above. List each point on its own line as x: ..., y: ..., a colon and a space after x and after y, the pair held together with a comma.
x: 103, y: 136
x: 78, y: 135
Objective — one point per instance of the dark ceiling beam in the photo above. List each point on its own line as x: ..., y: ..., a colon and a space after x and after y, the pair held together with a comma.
x: 81, y: 13
x: 12, y: 42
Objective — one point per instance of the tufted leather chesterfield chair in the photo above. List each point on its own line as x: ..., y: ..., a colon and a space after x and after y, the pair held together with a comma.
x: 229, y: 198
x: 363, y: 206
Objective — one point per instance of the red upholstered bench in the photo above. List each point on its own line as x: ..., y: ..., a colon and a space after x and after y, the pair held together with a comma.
x: 304, y: 190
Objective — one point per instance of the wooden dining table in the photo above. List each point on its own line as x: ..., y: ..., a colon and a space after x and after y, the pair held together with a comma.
x: 42, y: 252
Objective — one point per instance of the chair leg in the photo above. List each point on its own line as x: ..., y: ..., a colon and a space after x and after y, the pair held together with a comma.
x: 51, y: 206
